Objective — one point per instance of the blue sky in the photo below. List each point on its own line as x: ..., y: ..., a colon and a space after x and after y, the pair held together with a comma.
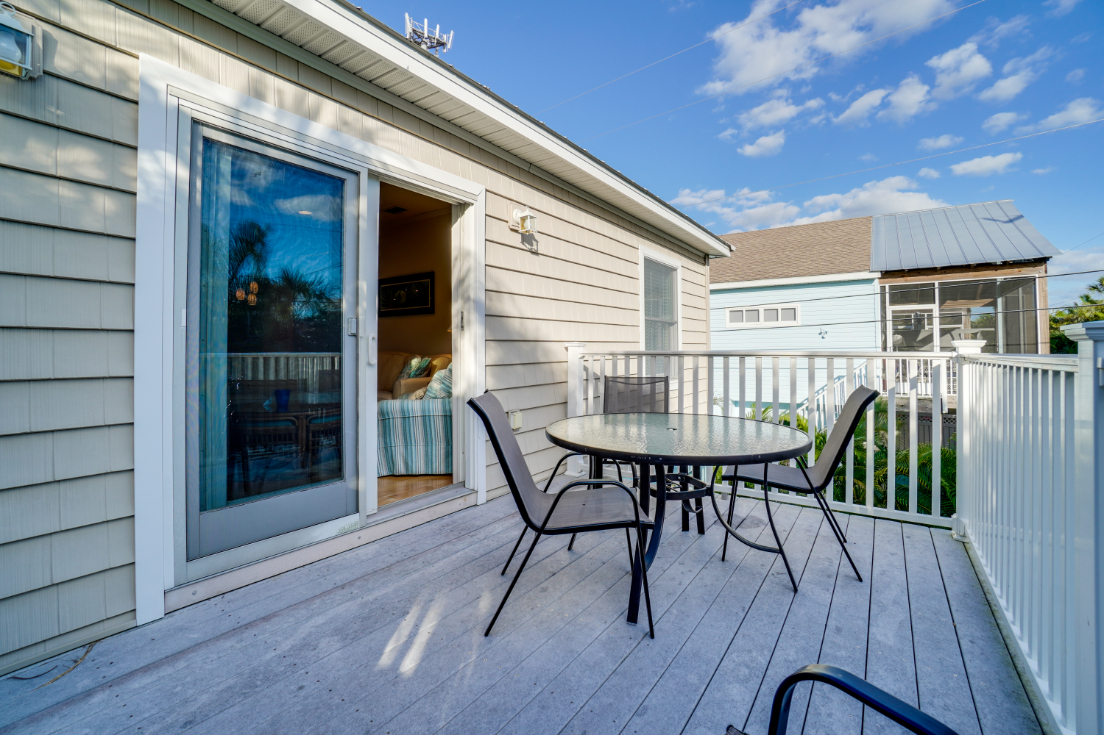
x: 996, y: 70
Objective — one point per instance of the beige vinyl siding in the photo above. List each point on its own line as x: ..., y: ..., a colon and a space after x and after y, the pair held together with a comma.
x: 66, y: 295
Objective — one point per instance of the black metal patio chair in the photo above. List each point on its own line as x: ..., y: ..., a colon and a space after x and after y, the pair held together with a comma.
x: 903, y: 713
x: 812, y: 481
x: 599, y: 508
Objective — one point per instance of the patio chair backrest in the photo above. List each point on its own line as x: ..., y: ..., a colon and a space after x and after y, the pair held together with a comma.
x: 844, y: 428
x: 526, y: 493
x: 631, y: 394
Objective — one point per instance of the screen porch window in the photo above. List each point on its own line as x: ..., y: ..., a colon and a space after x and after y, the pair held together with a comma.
x: 660, y: 306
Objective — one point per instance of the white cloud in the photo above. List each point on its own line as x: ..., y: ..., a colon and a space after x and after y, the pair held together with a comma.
x: 777, y: 111
x: 1080, y: 110
x: 868, y: 157
x: 907, y: 101
x: 1060, y: 7
x: 895, y: 194
x: 1063, y: 291
x: 728, y: 134
x: 316, y: 206
x: 928, y: 173
x: 1001, y: 121
x: 761, y: 49
x: 958, y: 70
x: 861, y: 108
x: 768, y: 145
x: 943, y: 141
x: 1019, y: 73
x: 746, y: 210
x: 1041, y: 171
x: 995, y: 31
x: 1075, y: 76
x: 986, y: 165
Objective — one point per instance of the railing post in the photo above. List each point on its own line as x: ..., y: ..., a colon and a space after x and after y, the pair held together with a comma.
x: 963, y: 476
x: 1088, y: 498
x: 575, y: 465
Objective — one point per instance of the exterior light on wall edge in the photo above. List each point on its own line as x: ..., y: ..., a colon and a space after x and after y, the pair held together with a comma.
x: 20, y: 44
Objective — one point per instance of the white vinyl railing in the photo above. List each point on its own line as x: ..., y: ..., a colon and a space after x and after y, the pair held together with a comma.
x: 902, y: 482
x: 1031, y: 503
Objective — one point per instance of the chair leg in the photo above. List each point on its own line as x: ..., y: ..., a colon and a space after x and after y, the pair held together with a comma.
x: 511, y: 587
x: 839, y: 534
x: 777, y: 540
x: 572, y: 543
x: 644, y: 576
x: 628, y: 541
x: 523, y: 530
x: 700, y: 510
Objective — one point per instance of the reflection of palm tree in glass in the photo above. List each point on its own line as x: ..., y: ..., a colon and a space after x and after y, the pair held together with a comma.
x: 291, y: 312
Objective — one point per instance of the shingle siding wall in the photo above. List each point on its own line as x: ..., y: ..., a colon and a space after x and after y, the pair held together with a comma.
x: 67, y: 162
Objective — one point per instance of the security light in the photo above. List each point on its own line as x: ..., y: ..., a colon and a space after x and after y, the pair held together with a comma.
x: 20, y: 49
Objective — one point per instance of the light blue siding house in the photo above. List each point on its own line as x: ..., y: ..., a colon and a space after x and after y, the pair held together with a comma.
x: 913, y: 282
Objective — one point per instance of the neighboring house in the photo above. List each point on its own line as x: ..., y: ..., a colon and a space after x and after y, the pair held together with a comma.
x: 889, y: 282
x: 203, y: 205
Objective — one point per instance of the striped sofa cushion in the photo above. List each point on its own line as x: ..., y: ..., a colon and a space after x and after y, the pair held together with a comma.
x: 415, y: 437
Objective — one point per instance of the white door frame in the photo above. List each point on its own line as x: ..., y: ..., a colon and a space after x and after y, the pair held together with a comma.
x: 164, y: 89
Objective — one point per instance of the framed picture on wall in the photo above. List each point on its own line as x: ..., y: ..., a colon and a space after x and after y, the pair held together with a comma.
x: 411, y: 295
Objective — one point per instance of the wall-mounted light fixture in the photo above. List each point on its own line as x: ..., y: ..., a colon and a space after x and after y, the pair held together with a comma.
x: 20, y: 45
x: 524, y: 222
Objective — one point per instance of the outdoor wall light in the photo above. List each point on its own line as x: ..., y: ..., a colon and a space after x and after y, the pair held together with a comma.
x: 20, y: 46
x: 524, y: 222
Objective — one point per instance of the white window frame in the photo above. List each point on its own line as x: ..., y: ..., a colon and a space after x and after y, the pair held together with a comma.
x: 164, y: 91
x: 671, y: 262
x: 729, y: 324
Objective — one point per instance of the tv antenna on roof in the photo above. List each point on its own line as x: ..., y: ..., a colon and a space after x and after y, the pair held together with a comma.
x: 429, y: 39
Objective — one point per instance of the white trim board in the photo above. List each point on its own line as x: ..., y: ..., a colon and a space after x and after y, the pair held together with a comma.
x: 795, y: 281
x: 163, y: 90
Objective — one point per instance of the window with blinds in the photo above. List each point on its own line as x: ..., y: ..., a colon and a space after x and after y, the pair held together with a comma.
x: 660, y: 306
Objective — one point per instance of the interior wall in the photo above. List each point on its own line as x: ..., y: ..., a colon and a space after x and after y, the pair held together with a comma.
x: 420, y: 244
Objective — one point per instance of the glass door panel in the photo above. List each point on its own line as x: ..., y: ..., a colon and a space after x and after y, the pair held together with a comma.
x: 271, y: 396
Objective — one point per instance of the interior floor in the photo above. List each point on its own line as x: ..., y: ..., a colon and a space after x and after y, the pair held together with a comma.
x: 401, y: 487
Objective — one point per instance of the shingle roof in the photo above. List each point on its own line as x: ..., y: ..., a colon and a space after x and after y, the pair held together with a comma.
x: 819, y: 249
x: 992, y: 232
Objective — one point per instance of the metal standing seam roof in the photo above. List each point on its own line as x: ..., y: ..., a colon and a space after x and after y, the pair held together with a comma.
x: 992, y: 232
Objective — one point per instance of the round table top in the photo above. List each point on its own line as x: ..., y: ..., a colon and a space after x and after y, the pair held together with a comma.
x: 672, y: 438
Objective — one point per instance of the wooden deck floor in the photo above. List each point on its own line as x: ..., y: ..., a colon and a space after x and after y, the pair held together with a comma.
x: 388, y: 638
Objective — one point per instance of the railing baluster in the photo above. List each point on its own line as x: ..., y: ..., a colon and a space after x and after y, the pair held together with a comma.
x: 726, y: 380
x: 810, y: 406
x: 871, y: 410
x: 830, y: 396
x: 891, y: 438
x: 793, y: 392
x: 914, y: 438
x: 774, y: 390
x: 697, y: 395
x: 743, y: 387
x: 849, y: 472
x: 680, y: 383
x: 758, y: 414
x: 709, y: 384
x: 937, y: 438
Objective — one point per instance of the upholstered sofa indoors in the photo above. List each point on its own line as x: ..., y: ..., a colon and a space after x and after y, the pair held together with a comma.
x: 414, y: 436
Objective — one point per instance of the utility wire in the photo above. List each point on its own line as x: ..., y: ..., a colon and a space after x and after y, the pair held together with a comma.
x: 1086, y: 242
x: 741, y: 195
x: 666, y: 58
x: 890, y: 321
x: 929, y: 287
x: 729, y: 90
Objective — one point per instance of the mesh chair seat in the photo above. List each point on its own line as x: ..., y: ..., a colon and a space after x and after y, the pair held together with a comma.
x: 589, y: 510
x: 781, y: 477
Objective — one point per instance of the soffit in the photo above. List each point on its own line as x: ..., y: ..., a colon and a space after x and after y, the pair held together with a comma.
x: 348, y: 38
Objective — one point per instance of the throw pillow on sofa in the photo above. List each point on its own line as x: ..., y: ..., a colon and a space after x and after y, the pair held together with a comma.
x: 441, y: 385
x: 415, y: 367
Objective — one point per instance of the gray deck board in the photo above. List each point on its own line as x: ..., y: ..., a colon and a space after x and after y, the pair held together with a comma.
x: 829, y: 711
x: 388, y: 638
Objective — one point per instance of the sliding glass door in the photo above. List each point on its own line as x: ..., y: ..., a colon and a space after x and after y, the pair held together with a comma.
x: 270, y: 375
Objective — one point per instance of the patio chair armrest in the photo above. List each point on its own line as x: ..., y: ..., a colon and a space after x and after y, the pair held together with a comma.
x: 902, y: 713
x: 576, y: 483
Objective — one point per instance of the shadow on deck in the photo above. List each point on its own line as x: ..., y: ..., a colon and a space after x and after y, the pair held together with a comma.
x: 388, y: 638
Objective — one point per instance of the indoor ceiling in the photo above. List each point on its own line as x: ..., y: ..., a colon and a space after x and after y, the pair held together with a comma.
x: 411, y: 202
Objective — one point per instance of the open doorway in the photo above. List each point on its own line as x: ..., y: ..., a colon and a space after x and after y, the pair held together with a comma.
x: 415, y: 345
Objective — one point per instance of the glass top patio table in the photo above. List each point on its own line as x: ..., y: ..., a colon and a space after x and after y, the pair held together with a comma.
x: 659, y: 439
x: 679, y: 439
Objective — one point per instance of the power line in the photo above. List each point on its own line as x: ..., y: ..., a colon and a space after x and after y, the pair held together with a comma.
x: 666, y: 58
x: 921, y: 306
x: 928, y: 287
x: 741, y: 195
x: 787, y: 71
x: 1086, y: 242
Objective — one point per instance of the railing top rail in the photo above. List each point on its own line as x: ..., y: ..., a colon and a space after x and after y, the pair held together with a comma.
x: 1043, y: 362
x: 867, y: 354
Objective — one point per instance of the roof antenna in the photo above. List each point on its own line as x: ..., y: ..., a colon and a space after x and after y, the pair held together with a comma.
x: 429, y: 39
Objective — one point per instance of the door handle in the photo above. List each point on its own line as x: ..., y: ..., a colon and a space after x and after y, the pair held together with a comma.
x: 372, y: 349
